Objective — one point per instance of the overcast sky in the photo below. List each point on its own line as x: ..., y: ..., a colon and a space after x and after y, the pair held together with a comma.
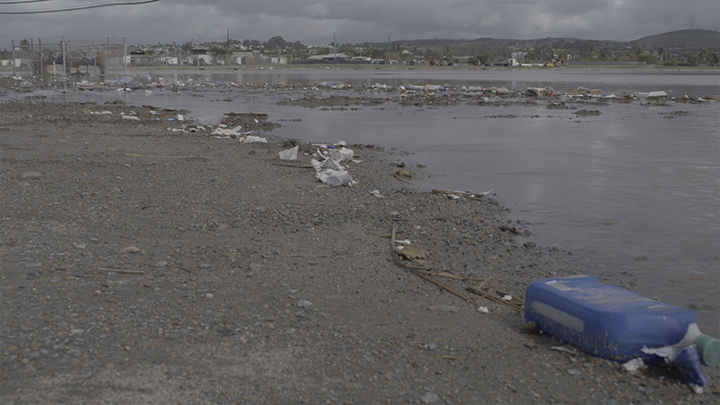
x: 313, y: 22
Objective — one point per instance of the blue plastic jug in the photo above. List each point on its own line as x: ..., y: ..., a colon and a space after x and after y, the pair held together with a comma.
x: 613, y: 323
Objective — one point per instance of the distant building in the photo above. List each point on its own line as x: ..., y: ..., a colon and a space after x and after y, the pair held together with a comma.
x: 201, y: 53
x: 138, y: 57
x: 329, y: 57
x: 275, y: 59
x: 519, y: 56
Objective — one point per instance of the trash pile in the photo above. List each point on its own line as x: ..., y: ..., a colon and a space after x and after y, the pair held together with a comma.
x: 328, y: 162
x: 139, y: 82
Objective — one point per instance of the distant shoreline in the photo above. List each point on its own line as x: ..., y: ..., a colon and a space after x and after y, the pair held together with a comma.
x: 585, y: 68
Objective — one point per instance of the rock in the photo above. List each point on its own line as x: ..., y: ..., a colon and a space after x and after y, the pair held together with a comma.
x: 574, y: 371
x: 429, y: 398
x: 31, y: 175
x: 304, y: 303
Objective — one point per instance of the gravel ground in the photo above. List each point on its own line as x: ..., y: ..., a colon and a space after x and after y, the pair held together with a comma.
x: 146, y: 266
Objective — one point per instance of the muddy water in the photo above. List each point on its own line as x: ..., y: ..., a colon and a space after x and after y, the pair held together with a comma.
x: 635, y: 193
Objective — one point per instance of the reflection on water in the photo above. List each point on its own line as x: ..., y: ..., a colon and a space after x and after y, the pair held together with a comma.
x: 633, y: 192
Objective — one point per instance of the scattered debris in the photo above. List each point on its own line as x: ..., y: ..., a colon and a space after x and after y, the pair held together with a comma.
x: 457, y: 194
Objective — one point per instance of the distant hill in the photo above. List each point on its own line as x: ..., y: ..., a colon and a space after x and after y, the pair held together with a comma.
x: 680, y: 44
x: 686, y: 40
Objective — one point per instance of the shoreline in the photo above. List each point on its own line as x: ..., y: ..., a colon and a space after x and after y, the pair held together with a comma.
x: 300, y: 67
x: 248, y: 270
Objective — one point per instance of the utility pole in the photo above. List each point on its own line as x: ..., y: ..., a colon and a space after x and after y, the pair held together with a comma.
x: 334, y: 48
x: 94, y: 58
x: 227, y: 48
x: 65, y: 66
x: 106, y: 59
x: 388, y: 58
x: 125, y: 54
x: 42, y: 68
x: 12, y: 49
x: 64, y: 60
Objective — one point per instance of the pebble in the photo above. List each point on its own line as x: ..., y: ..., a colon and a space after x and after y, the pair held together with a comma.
x: 31, y: 175
x: 574, y: 371
x: 304, y: 303
x: 429, y: 398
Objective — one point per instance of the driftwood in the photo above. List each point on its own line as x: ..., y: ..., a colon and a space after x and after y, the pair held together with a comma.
x: 423, y: 272
x: 455, y: 277
x: 515, y: 303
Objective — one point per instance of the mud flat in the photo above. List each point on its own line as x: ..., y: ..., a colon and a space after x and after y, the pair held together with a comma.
x: 146, y: 265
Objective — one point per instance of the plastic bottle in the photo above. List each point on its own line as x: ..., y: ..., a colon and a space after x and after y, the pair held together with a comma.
x: 335, y: 181
x: 613, y: 323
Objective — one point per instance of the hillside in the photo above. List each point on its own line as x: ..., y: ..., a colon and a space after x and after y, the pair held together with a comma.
x: 682, y: 47
x: 685, y: 40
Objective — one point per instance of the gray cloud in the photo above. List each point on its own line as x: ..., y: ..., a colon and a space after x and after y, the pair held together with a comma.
x: 315, y: 21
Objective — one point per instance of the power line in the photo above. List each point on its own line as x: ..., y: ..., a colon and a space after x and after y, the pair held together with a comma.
x: 78, y: 7
x: 22, y: 2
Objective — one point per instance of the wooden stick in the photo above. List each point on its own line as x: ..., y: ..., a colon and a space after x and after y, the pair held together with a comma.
x: 399, y: 177
x: 189, y: 271
x: 332, y: 255
x: 454, y: 277
x: 439, y: 283
x: 170, y: 157
x: 123, y: 271
x: 292, y: 165
x: 495, y: 298
x: 422, y: 272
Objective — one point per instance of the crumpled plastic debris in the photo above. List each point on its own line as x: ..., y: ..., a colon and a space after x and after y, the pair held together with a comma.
x: 289, y: 154
x: 342, y: 155
x: 323, y: 175
x: 253, y: 139
x: 228, y: 132
x: 633, y: 366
